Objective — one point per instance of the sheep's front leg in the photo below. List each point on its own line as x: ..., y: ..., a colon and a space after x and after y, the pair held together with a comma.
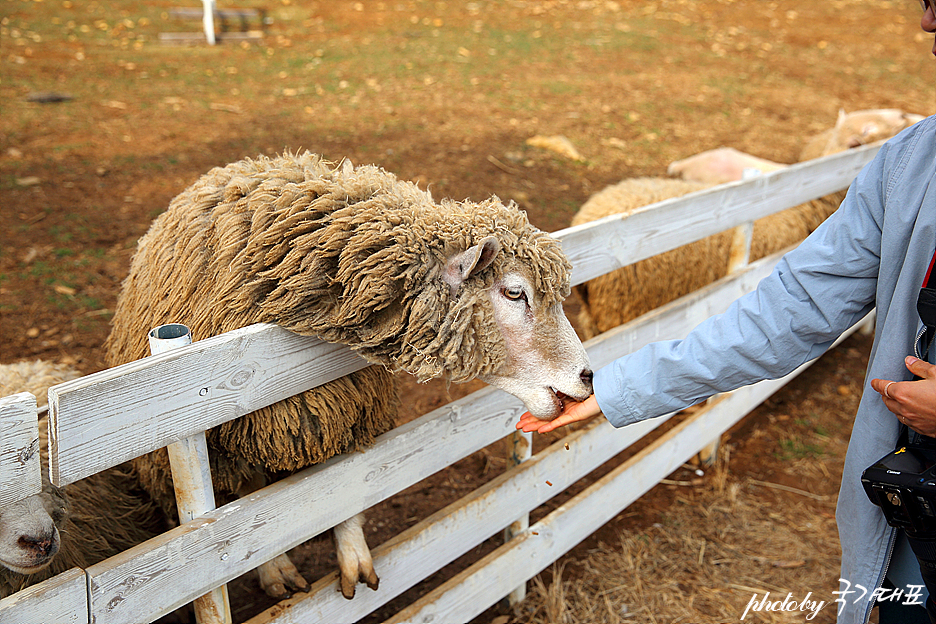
x: 354, y: 558
x: 279, y: 577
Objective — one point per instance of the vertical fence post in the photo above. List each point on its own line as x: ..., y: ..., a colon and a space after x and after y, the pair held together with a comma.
x: 191, y: 477
x: 738, y: 257
x: 208, y: 20
x: 521, y: 449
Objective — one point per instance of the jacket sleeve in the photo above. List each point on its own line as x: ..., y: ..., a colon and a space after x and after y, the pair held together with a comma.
x: 816, y: 292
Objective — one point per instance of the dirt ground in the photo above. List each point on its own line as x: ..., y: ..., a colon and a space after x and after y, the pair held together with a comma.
x: 445, y: 94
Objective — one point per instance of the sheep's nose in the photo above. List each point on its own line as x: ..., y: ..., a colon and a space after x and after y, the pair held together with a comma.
x: 41, y: 546
x: 587, y: 376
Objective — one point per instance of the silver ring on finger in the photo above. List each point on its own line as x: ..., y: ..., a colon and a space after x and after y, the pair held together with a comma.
x: 885, y: 390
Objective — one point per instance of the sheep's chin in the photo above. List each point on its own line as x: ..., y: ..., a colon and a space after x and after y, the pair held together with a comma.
x: 543, y: 402
x: 553, y: 406
x: 20, y: 569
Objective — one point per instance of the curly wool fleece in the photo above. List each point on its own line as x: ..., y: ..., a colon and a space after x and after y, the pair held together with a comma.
x: 350, y: 255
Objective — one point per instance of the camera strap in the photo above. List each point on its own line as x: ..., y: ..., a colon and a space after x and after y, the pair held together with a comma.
x: 926, y: 307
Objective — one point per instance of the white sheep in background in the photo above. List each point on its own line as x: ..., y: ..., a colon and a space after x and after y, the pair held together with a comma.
x: 350, y: 255
x: 858, y: 128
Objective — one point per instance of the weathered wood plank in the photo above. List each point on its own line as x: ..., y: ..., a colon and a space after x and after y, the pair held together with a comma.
x: 63, y: 599
x: 613, y: 242
x: 211, y: 381
x: 20, y: 472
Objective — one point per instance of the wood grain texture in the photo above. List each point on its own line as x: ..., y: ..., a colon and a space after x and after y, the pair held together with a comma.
x: 63, y: 599
x: 20, y: 472
x: 109, y: 417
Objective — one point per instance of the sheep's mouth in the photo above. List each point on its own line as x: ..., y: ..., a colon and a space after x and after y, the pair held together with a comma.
x: 22, y: 569
x: 561, y: 400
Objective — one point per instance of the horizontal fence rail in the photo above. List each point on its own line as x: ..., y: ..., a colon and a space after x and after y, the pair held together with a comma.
x: 110, y: 417
x: 126, y: 411
x: 613, y: 242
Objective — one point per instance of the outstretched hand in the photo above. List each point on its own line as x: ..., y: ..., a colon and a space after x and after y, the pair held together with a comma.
x: 914, y: 402
x: 573, y: 411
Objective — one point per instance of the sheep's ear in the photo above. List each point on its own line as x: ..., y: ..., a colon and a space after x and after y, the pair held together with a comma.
x: 470, y: 262
x: 842, y: 116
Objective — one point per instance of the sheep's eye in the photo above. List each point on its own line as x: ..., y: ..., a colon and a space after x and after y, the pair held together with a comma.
x: 514, y: 294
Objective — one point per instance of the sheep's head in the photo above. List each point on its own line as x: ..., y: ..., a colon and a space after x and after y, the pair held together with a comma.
x: 867, y: 126
x: 29, y: 531
x: 544, y: 362
x: 508, y: 289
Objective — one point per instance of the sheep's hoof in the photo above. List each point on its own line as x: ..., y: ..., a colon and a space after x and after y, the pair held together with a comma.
x: 365, y: 575
x: 279, y: 578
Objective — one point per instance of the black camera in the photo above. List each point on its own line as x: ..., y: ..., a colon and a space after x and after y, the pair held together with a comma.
x: 903, y: 485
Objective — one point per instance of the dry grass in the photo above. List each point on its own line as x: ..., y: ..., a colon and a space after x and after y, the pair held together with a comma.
x: 718, y: 545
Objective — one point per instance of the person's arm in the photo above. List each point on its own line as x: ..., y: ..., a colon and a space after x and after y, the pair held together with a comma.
x: 816, y: 292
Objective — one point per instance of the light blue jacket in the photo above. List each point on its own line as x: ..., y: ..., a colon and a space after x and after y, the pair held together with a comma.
x: 872, y: 252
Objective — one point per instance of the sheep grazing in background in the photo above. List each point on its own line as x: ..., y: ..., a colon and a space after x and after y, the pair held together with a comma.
x: 82, y: 524
x: 351, y: 255
x: 856, y: 129
x: 620, y: 296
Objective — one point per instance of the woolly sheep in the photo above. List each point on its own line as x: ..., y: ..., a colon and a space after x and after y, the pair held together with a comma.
x: 726, y: 164
x: 82, y: 524
x: 350, y: 255
x: 35, y: 376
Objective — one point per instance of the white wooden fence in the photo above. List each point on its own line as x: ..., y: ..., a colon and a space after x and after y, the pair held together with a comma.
x: 109, y: 417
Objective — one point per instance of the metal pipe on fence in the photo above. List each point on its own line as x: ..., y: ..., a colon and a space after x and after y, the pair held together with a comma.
x: 521, y: 449
x: 191, y: 478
